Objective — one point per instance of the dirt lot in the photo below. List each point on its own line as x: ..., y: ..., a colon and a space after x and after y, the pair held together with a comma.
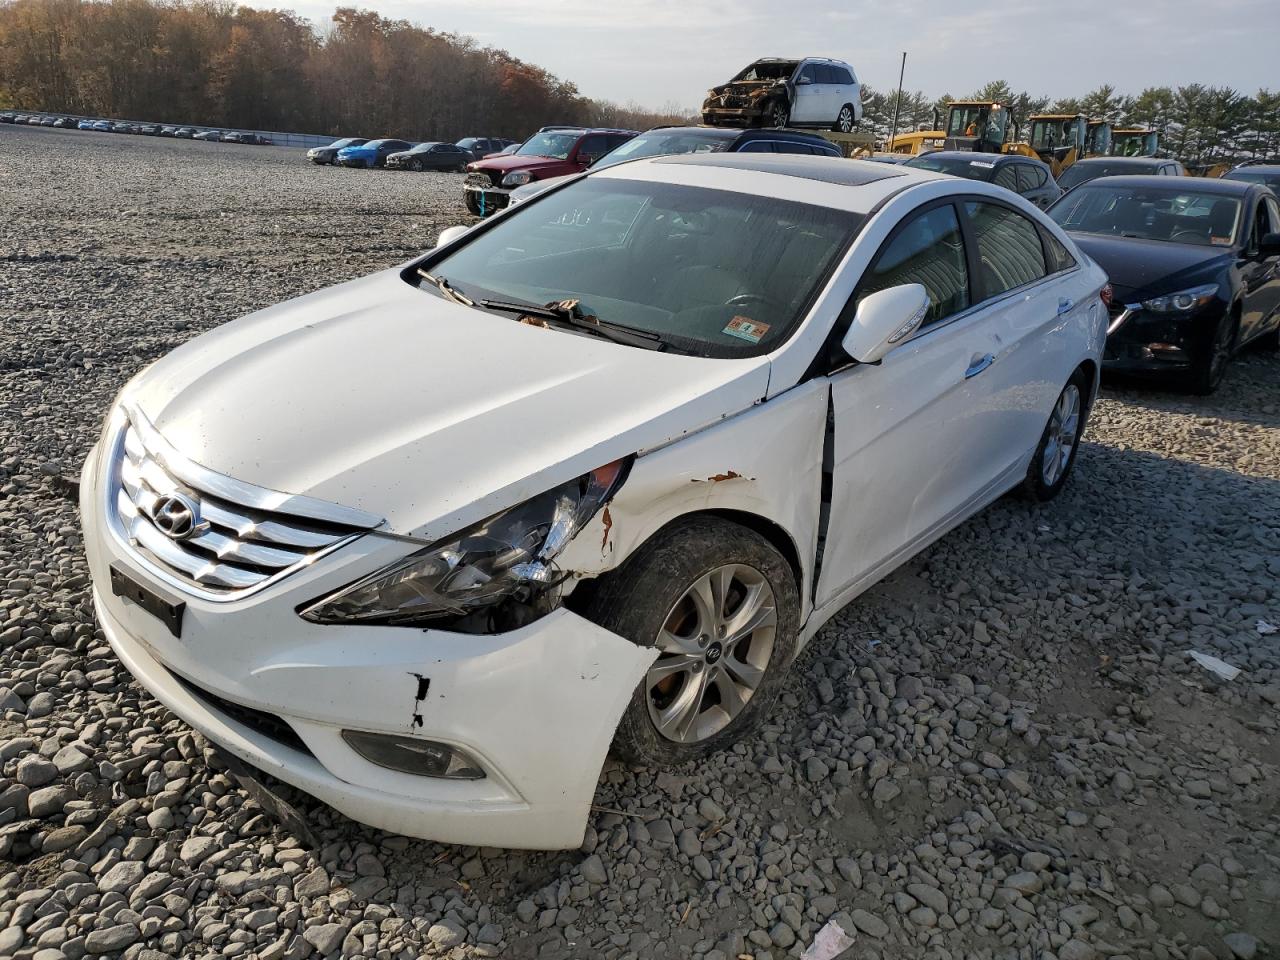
x: 1001, y: 751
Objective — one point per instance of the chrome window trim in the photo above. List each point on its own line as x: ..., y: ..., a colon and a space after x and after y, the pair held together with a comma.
x: 991, y: 301
x: 121, y: 529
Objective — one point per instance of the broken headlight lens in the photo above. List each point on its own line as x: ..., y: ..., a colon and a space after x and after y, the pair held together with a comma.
x: 508, y: 555
x: 517, y: 179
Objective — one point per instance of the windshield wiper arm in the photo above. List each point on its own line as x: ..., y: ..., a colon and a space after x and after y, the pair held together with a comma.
x: 450, y: 291
x: 570, y: 314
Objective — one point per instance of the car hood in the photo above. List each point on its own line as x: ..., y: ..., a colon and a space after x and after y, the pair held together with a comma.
x: 511, y: 162
x: 352, y: 151
x: 377, y: 395
x: 1140, y: 269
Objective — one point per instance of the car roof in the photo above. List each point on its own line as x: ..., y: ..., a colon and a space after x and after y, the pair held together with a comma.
x: 978, y: 156
x: 1151, y: 161
x: 1231, y: 188
x: 858, y: 186
x: 1264, y: 167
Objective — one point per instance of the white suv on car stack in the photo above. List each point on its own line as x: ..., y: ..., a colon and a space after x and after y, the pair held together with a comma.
x: 776, y: 92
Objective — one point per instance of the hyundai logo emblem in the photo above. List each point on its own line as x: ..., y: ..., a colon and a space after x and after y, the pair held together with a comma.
x: 176, y: 516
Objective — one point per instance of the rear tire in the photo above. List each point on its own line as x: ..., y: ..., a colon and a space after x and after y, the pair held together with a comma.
x: 779, y: 114
x: 1059, y: 443
x: 722, y: 604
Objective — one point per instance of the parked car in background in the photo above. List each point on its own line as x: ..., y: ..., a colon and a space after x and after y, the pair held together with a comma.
x: 666, y: 141
x: 85, y: 125
x: 185, y: 133
x: 215, y: 135
x: 168, y: 131
x: 1267, y: 174
x: 102, y: 126
x: 64, y: 123
x: 555, y: 153
x: 505, y: 151
x: 1093, y: 168
x: 370, y: 596
x: 1025, y: 176
x: 327, y: 154
x: 121, y: 126
x: 1194, y: 265
x: 773, y: 92
x: 8, y: 117
x: 483, y: 146
x: 255, y: 139
x: 149, y: 129
x: 372, y: 153
x: 48, y: 121
x: 430, y: 156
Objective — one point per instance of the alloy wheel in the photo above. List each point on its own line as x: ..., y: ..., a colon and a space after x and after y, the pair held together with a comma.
x: 780, y: 115
x: 714, y: 648
x: 845, y: 122
x: 1062, y: 433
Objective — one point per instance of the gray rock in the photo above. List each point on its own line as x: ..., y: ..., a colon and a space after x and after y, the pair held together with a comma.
x: 869, y: 924
x: 1243, y: 946
x: 325, y: 937
x: 592, y: 870
x: 196, y: 850
x: 112, y: 938
x: 122, y: 876
x: 446, y: 934
x: 35, y: 771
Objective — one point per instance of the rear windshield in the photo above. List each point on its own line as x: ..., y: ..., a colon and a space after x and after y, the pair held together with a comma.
x: 1079, y: 173
x: 668, y: 142
x: 970, y: 169
x: 1270, y: 178
x: 1150, y: 213
x: 712, y: 273
x: 556, y: 145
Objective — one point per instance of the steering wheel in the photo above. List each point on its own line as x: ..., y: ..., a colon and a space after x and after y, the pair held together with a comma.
x: 1186, y: 236
x: 742, y: 299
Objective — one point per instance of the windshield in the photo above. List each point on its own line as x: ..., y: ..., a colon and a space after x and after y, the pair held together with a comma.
x: 712, y: 273
x: 970, y: 169
x: 1150, y: 213
x: 468, y: 143
x: 966, y: 121
x: 1053, y: 134
x: 1270, y: 178
x: 768, y: 71
x: 666, y: 143
x: 422, y: 148
x: 1079, y: 173
x: 555, y: 145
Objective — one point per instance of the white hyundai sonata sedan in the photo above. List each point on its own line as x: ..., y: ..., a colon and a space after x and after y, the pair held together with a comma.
x: 588, y: 475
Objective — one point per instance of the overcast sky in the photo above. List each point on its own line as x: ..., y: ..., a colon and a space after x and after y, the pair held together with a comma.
x: 655, y: 51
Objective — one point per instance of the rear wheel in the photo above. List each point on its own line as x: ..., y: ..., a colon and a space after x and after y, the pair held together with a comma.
x: 779, y: 114
x: 845, y: 122
x: 720, y: 604
x: 1056, y: 453
x: 1210, y: 367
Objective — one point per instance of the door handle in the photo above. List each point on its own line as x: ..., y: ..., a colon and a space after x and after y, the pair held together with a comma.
x: 978, y: 364
x: 1064, y: 306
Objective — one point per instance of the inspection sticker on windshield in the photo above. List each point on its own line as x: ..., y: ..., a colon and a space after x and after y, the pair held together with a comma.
x: 744, y: 328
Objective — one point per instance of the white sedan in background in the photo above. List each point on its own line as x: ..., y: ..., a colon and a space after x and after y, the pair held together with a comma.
x: 589, y: 474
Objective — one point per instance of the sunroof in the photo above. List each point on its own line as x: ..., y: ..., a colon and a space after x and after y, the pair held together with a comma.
x: 846, y: 173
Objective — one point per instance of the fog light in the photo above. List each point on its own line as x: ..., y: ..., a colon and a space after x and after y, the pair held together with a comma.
x: 1166, y: 351
x: 422, y: 758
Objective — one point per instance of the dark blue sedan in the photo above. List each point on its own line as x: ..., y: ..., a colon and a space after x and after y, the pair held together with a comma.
x: 371, y: 154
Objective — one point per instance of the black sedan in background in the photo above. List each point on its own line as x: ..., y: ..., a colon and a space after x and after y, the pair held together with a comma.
x: 328, y: 154
x: 1194, y: 267
x: 1267, y: 174
x: 430, y: 156
x: 1025, y: 176
x: 1094, y: 168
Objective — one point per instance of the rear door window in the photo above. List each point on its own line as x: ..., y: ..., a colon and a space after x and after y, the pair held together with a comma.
x: 1007, y: 177
x: 783, y: 146
x: 1010, y: 254
x: 756, y: 146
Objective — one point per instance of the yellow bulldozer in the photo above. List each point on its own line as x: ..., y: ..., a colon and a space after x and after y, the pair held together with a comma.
x: 1134, y: 142
x: 1059, y: 139
x: 978, y: 125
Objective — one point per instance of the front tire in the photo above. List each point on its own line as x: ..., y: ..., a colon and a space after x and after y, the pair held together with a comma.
x: 1210, y: 368
x: 416, y: 166
x: 779, y: 114
x: 721, y: 604
x: 1056, y: 452
x: 845, y: 122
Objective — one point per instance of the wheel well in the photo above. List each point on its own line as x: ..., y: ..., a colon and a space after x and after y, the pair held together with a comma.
x: 1090, y: 370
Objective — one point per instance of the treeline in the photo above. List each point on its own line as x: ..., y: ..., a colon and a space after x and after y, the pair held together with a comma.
x: 1197, y: 124
x: 212, y: 62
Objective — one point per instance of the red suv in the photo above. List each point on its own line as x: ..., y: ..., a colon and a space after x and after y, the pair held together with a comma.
x: 551, y: 152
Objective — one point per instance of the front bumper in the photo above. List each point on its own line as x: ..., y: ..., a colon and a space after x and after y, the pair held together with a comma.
x: 1139, y: 341
x: 733, y: 116
x: 483, y: 201
x: 536, y: 707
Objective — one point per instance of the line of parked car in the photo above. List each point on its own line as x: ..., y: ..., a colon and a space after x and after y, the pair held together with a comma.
x: 405, y: 155
x: 140, y: 129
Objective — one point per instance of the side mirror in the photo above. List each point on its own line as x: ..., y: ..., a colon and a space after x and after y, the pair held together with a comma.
x: 450, y: 234
x: 884, y: 319
x: 801, y: 81
x: 1270, y: 245
x: 588, y: 159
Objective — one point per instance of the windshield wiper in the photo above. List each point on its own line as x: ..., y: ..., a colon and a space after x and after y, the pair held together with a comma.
x: 443, y: 285
x: 569, y: 313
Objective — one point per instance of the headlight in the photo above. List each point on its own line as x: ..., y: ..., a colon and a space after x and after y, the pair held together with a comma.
x: 1183, y: 301
x: 517, y: 179
x: 508, y: 555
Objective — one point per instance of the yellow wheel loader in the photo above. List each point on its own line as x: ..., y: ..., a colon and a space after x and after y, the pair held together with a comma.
x: 978, y: 125
x: 1058, y: 139
x: 1134, y: 142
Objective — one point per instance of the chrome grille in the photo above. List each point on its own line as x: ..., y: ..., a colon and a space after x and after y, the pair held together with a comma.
x: 244, y: 536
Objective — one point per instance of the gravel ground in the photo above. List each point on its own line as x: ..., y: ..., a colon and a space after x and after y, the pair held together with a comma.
x: 1003, y: 750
